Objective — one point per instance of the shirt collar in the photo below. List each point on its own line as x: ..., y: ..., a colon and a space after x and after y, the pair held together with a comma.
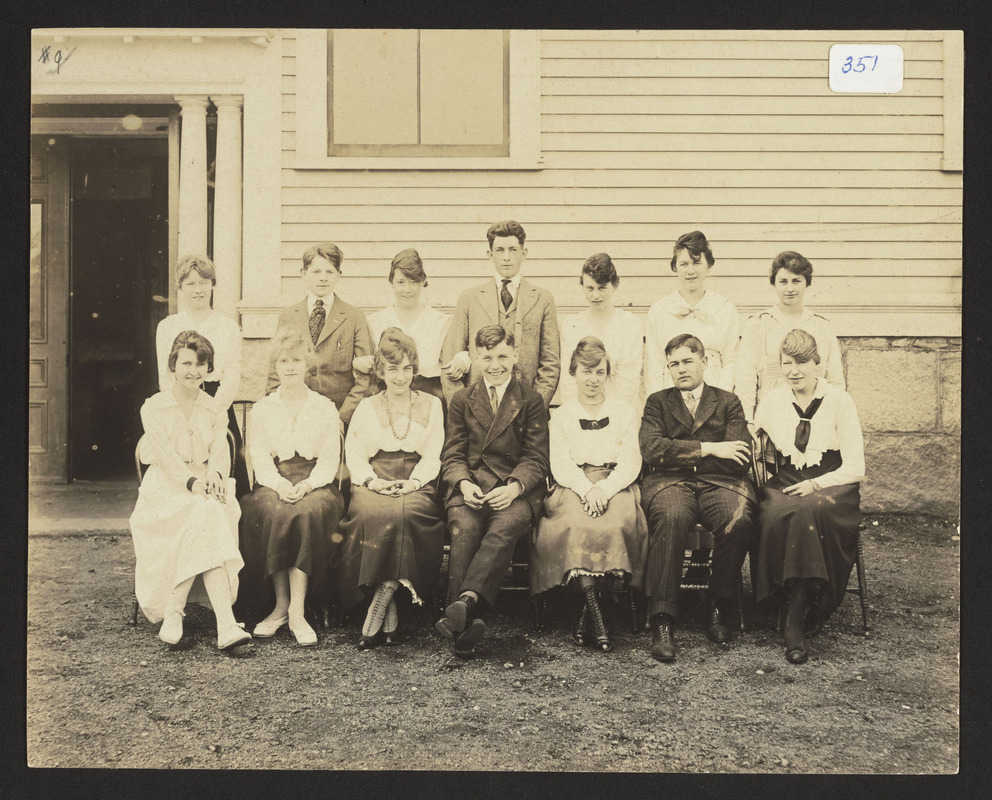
x: 312, y: 298
x: 788, y: 321
x: 514, y: 282
x: 500, y: 390
x: 697, y: 392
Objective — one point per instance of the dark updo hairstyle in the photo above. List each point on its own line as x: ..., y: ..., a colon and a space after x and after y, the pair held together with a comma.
x: 589, y: 352
x: 801, y: 346
x: 795, y: 263
x: 394, y: 346
x: 199, y: 344
x: 508, y: 227
x: 694, y: 344
x: 695, y: 243
x: 202, y: 265
x: 408, y: 262
x: 600, y: 268
x: 488, y: 336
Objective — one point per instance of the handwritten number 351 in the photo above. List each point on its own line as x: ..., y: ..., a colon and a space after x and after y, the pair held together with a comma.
x: 849, y: 64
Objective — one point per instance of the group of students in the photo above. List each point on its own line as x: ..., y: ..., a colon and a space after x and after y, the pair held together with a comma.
x: 446, y: 428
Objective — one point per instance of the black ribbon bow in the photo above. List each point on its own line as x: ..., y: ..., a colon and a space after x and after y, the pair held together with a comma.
x: 802, y: 429
x: 593, y: 424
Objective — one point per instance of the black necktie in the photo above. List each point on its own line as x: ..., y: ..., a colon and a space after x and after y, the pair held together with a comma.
x: 317, y: 319
x: 505, y: 295
x: 802, y: 429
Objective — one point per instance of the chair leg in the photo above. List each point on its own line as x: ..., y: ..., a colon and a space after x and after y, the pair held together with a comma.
x: 862, y: 587
x: 740, y: 600
x: 537, y: 606
x: 632, y: 599
x: 134, y: 612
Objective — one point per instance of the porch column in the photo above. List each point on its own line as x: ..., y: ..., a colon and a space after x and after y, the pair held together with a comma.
x: 193, y: 175
x: 227, y: 206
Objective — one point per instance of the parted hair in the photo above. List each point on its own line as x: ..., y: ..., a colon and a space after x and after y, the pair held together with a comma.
x: 289, y: 340
x: 696, y: 245
x: 795, y: 263
x: 488, y: 336
x: 198, y: 343
x: 409, y: 263
x: 202, y: 265
x: 600, y: 268
x: 589, y: 352
x: 694, y: 344
x: 507, y: 227
x: 394, y: 345
x: 327, y: 250
x: 801, y: 346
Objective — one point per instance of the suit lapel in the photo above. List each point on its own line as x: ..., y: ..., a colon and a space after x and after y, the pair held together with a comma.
x: 335, y: 316
x: 508, y: 409
x: 676, y: 407
x: 478, y: 402
x: 486, y: 298
x: 526, y: 298
x: 705, y: 407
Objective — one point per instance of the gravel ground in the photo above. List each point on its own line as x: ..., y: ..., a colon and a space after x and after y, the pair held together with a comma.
x: 101, y: 693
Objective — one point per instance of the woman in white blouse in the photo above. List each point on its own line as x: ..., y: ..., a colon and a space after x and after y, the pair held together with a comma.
x: 758, y: 367
x: 289, y: 521
x: 393, y: 535
x: 593, y: 524
x: 810, y: 510
x: 425, y: 325
x: 620, y: 331
x: 196, y: 277
x: 693, y: 309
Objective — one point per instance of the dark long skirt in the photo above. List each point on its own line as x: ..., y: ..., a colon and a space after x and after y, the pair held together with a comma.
x: 813, y: 537
x: 392, y: 538
x: 277, y: 535
x: 568, y: 539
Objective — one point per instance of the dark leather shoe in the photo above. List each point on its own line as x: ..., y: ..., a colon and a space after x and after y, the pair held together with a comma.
x: 797, y: 655
x: 662, y: 639
x: 465, y: 642
x: 460, y: 613
x: 717, y: 629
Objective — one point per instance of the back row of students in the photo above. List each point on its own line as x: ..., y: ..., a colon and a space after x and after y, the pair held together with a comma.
x: 496, y: 451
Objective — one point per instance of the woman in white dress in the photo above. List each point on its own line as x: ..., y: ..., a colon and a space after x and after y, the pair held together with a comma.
x: 593, y: 524
x: 693, y: 309
x: 195, y: 278
x: 758, y: 366
x: 185, y: 523
x: 620, y: 331
x: 290, y: 519
x: 425, y: 325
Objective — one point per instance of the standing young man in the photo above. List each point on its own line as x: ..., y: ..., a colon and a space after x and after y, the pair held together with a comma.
x: 337, y: 329
x: 513, y: 302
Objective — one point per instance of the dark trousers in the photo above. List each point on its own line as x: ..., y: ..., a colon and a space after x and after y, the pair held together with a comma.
x: 482, y: 544
x: 671, y: 513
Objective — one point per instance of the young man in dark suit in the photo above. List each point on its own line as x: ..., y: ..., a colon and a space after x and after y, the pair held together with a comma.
x: 495, y: 465
x: 337, y: 329
x: 695, y: 442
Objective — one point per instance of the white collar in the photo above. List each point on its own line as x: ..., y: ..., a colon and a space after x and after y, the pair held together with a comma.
x: 697, y: 392
x: 500, y: 390
x: 328, y: 300
x: 514, y: 282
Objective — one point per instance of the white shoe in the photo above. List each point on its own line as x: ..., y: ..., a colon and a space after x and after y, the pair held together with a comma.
x: 172, y: 627
x: 232, y: 636
x: 305, y: 636
x: 267, y: 628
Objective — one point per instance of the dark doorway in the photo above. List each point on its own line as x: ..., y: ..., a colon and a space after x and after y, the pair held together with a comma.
x: 119, y: 274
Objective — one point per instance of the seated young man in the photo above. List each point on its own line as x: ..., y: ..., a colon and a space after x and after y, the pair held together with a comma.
x: 695, y: 442
x: 495, y: 466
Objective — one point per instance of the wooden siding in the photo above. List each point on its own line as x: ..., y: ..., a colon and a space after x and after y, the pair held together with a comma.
x: 646, y: 135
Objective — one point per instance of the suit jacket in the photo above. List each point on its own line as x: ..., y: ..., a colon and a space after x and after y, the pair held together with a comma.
x: 535, y: 331
x: 489, y: 452
x: 670, y: 441
x: 344, y: 336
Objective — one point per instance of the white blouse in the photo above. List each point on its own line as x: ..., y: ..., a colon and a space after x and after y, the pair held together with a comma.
x: 370, y: 432
x: 315, y: 433
x: 623, y: 337
x: 571, y: 446
x: 834, y: 426
x: 181, y: 447
x: 225, y: 336
x: 713, y: 320
x: 428, y: 331
x: 758, y: 365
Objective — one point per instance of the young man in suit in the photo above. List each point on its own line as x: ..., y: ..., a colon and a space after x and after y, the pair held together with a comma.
x: 337, y: 329
x: 495, y: 465
x: 513, y: 302
x: 695, y: 442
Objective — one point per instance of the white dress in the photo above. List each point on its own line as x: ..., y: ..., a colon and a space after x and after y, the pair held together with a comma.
x: 428, y: 331
x: 623, y: 337
x: 178, y: 534
x: 713, y: 320
x: 225, y: 337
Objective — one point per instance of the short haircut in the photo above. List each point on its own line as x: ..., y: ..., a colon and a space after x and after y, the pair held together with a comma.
x: 589, y: 352
x: 289, y: 340
x: 488, y: 336
x: 795, y: 263
x: 685, y: 340
x: 202, y: 265
x: 408, y: 262
x: 394, y: 346
x: 507, y: 227
x: 801, y: 346
x: 600, y: 268
x: 198, y: 343
x: 696, y: 245
x: 327, y: 250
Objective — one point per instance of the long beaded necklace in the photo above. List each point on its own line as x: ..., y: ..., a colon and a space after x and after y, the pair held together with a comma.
x: 409, y: 418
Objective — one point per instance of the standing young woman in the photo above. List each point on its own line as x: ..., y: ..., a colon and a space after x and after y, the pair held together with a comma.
x: 185, y: 523
x: 196, y: 277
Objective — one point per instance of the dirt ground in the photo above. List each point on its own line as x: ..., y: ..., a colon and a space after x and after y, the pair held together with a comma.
x: 101, y: 693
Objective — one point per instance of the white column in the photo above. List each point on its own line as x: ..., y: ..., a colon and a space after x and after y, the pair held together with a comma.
x: 193, y: 176
x: 227, y: 206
